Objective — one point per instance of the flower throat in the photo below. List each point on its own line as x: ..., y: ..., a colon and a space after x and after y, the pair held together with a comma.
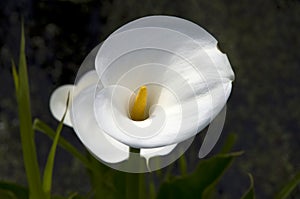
x: 137, y: 112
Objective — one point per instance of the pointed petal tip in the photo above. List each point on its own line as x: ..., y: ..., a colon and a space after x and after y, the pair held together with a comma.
x: 58, y: 102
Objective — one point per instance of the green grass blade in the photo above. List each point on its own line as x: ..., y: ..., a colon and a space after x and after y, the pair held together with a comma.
x: 249, y: 194
x: 15, y: 75
x: 47, y: 180
x: 27, y: 136
x: 289, y: 187
x: 38, y: 125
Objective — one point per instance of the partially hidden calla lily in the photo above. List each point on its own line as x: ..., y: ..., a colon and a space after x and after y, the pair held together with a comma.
x: 152, y: 84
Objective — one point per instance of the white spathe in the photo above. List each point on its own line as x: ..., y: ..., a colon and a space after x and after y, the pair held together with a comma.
x: 188, y: 78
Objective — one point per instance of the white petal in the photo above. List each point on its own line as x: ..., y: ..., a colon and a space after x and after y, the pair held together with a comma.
x: 88, y: 64
x: 142, y: 41
x: 173, y: 23
x: 166, y: 125
x: 102, y: 146
x: 58, y: 102
x: 111, y: 109
x: 196, y: 72
x: 213, y: 133
x: 129, y: 42
x: 202, y: 71
x: 59, y: 96
x: 88, y: 79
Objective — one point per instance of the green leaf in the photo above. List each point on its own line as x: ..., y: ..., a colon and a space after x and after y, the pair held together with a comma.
x: 249, y: 194
x: 13, y: 191
x: 193, y: 185
x: 289, y: 187
x: 15, y: 75
x: 95, y: 168
x: 39, y: 125
x: 27, y: 136
x: 47, y: 180
x: 229, y: 143
x: 226, y: 148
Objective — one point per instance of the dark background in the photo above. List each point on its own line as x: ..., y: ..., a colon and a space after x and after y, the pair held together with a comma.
x: 260, y: 38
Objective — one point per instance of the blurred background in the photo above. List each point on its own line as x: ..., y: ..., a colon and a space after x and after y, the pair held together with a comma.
x: 260, y: 38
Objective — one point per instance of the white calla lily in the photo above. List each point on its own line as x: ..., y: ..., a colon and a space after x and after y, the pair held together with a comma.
x: 188, y: 82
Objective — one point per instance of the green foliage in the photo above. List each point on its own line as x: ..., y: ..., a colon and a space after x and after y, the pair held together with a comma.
x: 249, y: 194
x: 193, y: 185
x: 15, y: 76
x: 183, y: 165
x: 229, y: 143
x: 135, y: 185
x: 39, y: 125
x: 152, y: 191
x: 289, y: 187
x: 47, y: 180
x: 37, y: 189
x: 7, y: 194
x: 11, y: 190
x: 226, y: 148
x: 102, y: 180
x: 27, y: 135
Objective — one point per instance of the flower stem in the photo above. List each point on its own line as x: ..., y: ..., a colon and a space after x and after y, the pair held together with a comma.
x: 134, y: 150
x: 132, y: 189
x: 135, y: 182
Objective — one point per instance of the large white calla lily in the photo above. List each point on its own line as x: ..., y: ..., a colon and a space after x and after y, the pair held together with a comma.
x: 187, y: 82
